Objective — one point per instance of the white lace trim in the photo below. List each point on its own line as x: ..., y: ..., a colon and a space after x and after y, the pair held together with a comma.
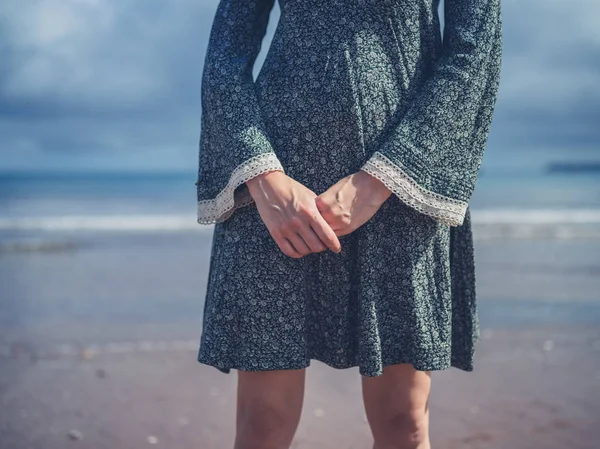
x: 444, y: 209
x: 224, y: 204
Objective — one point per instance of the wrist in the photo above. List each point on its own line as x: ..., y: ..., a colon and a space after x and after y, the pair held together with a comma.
x: 375, y: 185
x: 255, y: 182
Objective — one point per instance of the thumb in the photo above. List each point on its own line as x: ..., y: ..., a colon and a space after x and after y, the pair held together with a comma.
x: 320, y: 202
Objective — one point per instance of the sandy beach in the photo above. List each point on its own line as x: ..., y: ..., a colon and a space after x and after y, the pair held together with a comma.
x: 98, y: 350
x: 531, y: 389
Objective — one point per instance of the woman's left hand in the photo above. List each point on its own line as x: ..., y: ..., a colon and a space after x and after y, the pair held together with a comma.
x: 352, y: 201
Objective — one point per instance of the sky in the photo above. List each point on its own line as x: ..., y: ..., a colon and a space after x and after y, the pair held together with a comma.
x: 115, y: 84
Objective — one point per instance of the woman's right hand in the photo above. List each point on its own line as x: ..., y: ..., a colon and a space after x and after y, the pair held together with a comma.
x: 290, y: 213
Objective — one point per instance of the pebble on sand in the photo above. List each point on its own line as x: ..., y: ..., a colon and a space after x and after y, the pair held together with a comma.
x: 75, y: 434
x: 548, y: 345
x: 88, y: 353
x: 183, y: 420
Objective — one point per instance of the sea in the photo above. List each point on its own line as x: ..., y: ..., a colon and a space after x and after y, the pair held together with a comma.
x: 518, y: 205
x: 105, y: 258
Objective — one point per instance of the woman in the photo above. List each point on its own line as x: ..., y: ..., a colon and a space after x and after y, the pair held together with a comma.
x: 339, y: 184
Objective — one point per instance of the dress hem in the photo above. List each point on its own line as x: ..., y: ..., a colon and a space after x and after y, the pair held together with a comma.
x: 341, y: 366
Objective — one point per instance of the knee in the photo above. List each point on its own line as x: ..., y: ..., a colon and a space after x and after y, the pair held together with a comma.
x: 404, y: 430
x: 264, y: 426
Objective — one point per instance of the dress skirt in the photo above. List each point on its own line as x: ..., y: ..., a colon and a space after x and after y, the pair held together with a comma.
x: 386, y: 298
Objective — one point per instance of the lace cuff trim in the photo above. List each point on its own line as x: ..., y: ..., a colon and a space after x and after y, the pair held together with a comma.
x: 442, y: 208
x: 224, y: 204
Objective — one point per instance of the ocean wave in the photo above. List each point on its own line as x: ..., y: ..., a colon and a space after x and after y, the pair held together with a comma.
x: 536, y: 216
x: 487, y: 223
x: 102, y: 223
x: 37, y: 245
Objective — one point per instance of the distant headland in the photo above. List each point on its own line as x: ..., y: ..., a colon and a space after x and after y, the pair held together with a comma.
x: 573, y: 167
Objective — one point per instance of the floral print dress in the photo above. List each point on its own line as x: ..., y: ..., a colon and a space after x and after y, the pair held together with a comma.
x: 347, y: 85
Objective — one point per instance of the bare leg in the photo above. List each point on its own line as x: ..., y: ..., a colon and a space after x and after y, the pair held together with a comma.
x: 269, y: 404
x: 396, y: 404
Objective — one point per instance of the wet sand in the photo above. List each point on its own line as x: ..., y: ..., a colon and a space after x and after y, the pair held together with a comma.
x: 530, y: 389
x: 98, y: 350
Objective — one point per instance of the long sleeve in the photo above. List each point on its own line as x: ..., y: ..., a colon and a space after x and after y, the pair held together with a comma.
x: 431, y: 158
x: 234, y: 146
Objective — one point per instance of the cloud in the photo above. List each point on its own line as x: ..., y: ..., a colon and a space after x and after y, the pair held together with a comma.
x: 551, y: 66
x: 101, y: 80
x: 82, y: 56
x: 117, y: 82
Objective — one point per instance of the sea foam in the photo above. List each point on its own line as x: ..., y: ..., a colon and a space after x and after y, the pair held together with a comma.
x: 487, y: 223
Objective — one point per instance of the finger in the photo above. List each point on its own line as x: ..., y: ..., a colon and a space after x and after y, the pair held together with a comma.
x: 288, y: 249
x: 312, y: 239
x: 326, y: 234
x: 343, y: 231
x: 335, y: 225
x: 330, y: 212
x: 322, y: 205
x: 298, y: 243
x: 285, y: 245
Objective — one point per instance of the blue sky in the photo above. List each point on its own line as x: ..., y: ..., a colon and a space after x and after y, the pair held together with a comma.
x: 115, y: 84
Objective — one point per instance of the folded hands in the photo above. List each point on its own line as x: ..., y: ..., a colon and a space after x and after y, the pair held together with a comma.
x: 302, y: 222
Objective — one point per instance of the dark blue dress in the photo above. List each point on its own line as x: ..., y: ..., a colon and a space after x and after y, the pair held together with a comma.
x: 347, y: 85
